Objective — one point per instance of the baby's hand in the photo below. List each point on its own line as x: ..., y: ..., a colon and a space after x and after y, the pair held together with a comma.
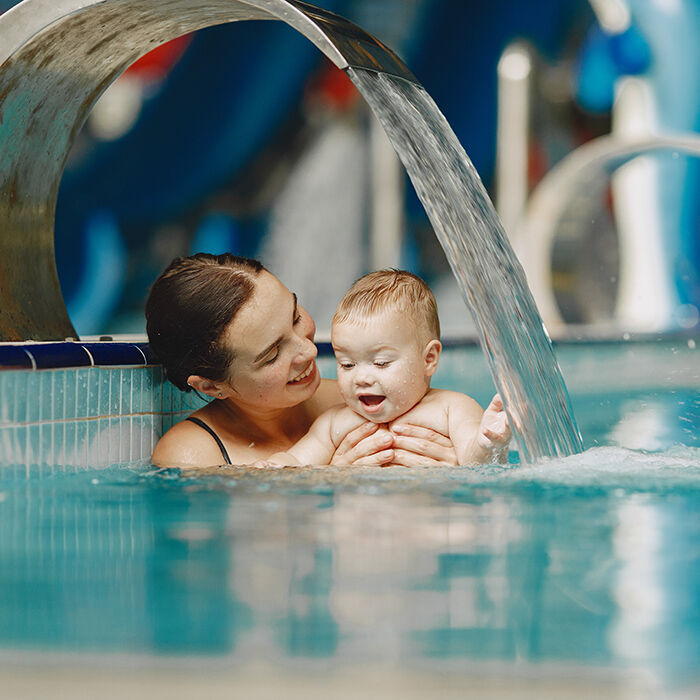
x: 264, y: 464
x: 277, y: 460
x: 494, y: 429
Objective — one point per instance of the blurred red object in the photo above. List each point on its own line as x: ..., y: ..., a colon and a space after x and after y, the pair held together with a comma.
x: 156, y: 64
x: 332, y: 87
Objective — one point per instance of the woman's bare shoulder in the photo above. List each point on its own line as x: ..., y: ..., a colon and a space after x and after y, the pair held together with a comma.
x: 186, y: 445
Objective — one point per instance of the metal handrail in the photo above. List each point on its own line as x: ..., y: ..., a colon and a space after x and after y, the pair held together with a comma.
x: 578, y: 171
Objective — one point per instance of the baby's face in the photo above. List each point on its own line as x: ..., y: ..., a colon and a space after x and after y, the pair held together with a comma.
x: 381, y: 370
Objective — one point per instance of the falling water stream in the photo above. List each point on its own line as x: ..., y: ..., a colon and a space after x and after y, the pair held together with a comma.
x: 514, y: 340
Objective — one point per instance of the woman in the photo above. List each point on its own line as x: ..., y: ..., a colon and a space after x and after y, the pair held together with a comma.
x: 227, y: 327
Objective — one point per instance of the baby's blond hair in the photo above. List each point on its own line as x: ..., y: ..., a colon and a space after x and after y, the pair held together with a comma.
x: 391, y: 289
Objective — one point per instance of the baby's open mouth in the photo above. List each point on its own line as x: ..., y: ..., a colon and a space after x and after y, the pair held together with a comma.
x: 371, y: 402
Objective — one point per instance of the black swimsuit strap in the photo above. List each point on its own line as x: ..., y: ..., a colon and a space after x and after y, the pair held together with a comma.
x: 211, y: 432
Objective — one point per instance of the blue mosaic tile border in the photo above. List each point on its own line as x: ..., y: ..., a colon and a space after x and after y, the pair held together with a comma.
x: 51, y: 355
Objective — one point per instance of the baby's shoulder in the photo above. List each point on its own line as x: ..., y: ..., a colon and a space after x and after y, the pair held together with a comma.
x: 430, y: 412
x: 437, y: 405
x: 455, y: 400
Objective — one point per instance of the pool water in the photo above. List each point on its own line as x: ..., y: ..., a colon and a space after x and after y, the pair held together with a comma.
x: 581, y: 566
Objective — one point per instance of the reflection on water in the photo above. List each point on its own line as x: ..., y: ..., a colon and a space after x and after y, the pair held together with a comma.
x: 657, y: 621
x: 651, y: 421
x: 593, y: 561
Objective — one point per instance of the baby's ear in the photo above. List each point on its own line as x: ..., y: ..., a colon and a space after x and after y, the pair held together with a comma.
x: 431, y: 356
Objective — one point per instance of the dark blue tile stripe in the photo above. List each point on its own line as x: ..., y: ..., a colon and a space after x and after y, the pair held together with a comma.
x: 51, y: 355
x: 114, y: 354
x: 75, y: 354
x: 14, y: 357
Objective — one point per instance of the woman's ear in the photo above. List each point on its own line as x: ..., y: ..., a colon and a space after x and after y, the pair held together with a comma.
x: 207, y: 386
x: 431, y: 356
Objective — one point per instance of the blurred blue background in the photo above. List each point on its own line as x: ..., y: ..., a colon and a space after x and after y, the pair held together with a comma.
x: 244, y: 137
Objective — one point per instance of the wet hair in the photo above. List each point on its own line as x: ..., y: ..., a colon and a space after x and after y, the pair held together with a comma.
x: 391, y: 289
x: 190, y: 307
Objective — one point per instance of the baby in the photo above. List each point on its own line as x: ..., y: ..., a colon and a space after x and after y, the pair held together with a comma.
x: 385, y: 335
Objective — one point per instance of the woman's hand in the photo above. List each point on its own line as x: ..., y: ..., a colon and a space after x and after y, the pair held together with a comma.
x: 421, y: 447
x: 403, y: 445
x: 365, y: 445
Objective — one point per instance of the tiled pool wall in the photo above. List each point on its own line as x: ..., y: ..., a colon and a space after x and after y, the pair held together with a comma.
x: 110, y: 409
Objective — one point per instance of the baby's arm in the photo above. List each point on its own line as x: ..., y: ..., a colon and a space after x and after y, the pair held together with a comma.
x: 479, y: 437
x: 316, y: 447
x: 494, y: 431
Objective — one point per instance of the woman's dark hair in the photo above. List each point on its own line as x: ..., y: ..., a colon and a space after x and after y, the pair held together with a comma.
x: 188, y: 309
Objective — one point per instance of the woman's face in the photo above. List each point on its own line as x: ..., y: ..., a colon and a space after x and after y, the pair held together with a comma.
x: 274, y: 356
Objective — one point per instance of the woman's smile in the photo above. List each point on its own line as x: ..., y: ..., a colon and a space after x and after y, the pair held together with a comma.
x: 306, y: 376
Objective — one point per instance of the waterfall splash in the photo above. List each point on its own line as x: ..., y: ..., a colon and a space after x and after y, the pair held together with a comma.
x: 514, y: 340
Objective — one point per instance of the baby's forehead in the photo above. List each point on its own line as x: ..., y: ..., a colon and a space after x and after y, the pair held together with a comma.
x: 376, y: 331
x: 363, y: 317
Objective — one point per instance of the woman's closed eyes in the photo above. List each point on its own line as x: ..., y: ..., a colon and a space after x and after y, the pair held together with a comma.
x: 296, y: 317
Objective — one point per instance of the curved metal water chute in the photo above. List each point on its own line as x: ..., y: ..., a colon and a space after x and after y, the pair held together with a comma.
x: 56, y: 58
